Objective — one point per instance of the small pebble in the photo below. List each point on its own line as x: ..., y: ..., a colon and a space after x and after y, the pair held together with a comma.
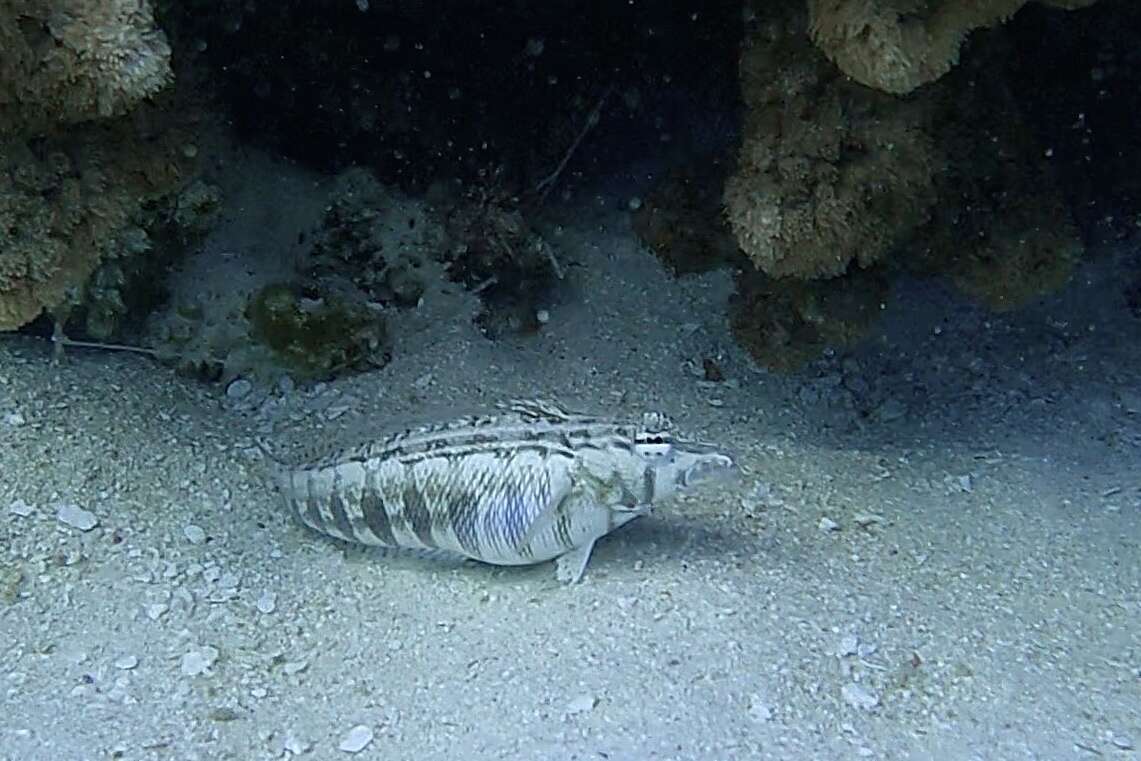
x: 582, y: 704
x: 294, y: 744
x: 759, y: 710
x: 849, y: 645
x: 827, y: 524
x: 76, y: 517
x: 1121, y: 742
x: 14, y: 419
x: 223, y: 714
x: 126, y: 662
x: 10, y: 580
x: 857, y: 697
x: 198, y: 662
x: 295, y: 667
x: 1130, y: 400
x: 20, y: 508
x: 889, y: 411
x: 266, y: 602
x: 194, y: 534
x: 238, y: 388
x: 157, y: 610
x: 760, y: 497
x: 335, y: 411
x: 356, y: 739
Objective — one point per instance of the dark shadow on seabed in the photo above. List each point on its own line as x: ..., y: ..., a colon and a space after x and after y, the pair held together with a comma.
x: 1053, y: 378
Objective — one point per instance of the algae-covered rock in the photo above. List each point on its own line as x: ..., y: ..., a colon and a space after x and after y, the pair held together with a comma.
x: 899, y: 45
x: 377, y: 239
x: 786, y: 322
x: 681, y: 220
x: 70, y: 61
x: 73, y: 176
x: 494, y: 251
x: 68, y: 204
x: 132, y: 280
x: 280, y: 329
x: 196, y: 209
x: 317, y: 337
x: 1004, y: 233
x: 122, y: 284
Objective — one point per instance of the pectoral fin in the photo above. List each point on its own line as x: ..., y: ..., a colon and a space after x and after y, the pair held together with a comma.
x: 570, y: 566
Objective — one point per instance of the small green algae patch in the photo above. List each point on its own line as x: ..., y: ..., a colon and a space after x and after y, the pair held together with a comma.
x: 315, y: 338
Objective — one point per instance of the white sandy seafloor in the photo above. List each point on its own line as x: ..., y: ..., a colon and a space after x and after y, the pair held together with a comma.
x: 933, y: 554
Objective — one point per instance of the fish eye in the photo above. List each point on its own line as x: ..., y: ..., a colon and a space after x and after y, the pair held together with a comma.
x: 654, y: 422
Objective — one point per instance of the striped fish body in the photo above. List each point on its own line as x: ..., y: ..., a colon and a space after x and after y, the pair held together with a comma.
x: 531, y: 484
x: 482, y: 504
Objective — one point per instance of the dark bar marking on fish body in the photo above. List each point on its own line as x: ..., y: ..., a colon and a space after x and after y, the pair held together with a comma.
x: 562, y: 528
x: 312, y: 509
x: 374, y: 510
x: 341, y: 516
x: 417, y: 513
x: 462, y: 507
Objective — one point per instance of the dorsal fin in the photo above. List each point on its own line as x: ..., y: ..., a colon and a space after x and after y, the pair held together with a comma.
x: 537, y: 409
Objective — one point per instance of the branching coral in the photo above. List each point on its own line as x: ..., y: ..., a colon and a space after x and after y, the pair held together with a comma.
x: 898, y: 45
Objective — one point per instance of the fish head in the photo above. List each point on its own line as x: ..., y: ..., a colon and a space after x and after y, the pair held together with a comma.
x: 673, y: 465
